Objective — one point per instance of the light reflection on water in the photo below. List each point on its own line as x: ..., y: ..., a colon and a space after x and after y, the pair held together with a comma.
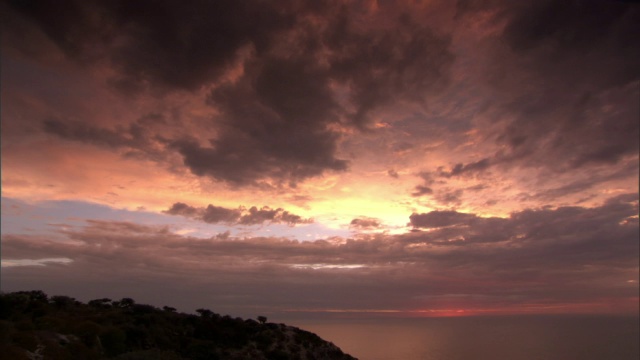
x: 484, y: 338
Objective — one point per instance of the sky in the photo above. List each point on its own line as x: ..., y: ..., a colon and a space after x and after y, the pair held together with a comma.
x: 324, y: 158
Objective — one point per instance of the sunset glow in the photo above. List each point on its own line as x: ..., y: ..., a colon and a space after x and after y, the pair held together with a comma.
x: 405, y: 158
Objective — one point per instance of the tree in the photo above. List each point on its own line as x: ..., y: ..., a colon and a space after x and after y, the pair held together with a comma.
x: 62, y: 302
x: 35, y: 295
x: 205, y: 313
x: 100, y: 303
x: 262, y: 319
x: 126, y: 302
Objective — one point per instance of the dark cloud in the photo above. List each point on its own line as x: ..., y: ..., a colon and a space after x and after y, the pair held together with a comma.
x: 562, y: 86
x: 120, y: 137
x: 157, y: 42
x: 589, y: 182
x: 253, y: 216
x: 136, y: 139
x: 534, y: 226
x: 576, y: 134
x: 579, y: 183
x: 267, y: 214
x: 277, y: 118
x: 449, y: 197
x: 365, y: 223
x: 584, y: 113
x: 211, y: 214
x: 446, y: 196
x: 473, y: 167
x: 421, y: 190
x: 558, y: 256
x: 589, y: 41
x: 184, y: 210
x: 216, y: 214
x: 279, y: 129
x: 278, y: 121
x: 393, y: 173
x: 478, y: 187
x: 407, y: 59
x: 435, y: 219
x: 426, y: 187
x: 570, y: 28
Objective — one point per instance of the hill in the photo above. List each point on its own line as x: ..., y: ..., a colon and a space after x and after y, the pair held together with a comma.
x: 34, y: 326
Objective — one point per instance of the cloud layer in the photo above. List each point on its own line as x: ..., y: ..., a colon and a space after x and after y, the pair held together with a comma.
x: 578, y: 259
x: 253, y: 216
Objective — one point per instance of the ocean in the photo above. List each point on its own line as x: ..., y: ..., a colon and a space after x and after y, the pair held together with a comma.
x: 483, y: 338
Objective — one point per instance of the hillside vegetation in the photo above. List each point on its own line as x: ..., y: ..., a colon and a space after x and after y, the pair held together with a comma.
x: 34, y: 326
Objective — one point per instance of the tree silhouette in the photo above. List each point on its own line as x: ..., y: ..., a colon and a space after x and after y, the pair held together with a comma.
x: 60, y: 327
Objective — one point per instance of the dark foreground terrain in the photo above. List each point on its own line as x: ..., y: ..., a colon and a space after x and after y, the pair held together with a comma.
x: 35, y: 326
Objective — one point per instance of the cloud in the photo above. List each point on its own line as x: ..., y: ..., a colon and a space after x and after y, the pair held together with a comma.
x: 593, y: 180
x: 283, y: 79
x: 435, y: 219
x: 545, y: 226
x: 253, y: 216
x: 473, y: 167
x: 215, y: 214
x: 120, y: 137
x: 548, y: 98
x: 267, y: 214
x: 158, y: 43
x: 140, y: 138
x: 365, y: 223
x: 447, y: 195
x: 275, y: 126
x: 567, y: 255
x: 34, y: 262
x: 279, y: 115
x: 184, y: 210
x: 426, y: 187
x: 584, y: 113
x: 408, y: 61
x: 420, y: 190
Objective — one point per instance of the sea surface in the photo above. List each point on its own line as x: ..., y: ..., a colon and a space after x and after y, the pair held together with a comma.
x: 480, y: 338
